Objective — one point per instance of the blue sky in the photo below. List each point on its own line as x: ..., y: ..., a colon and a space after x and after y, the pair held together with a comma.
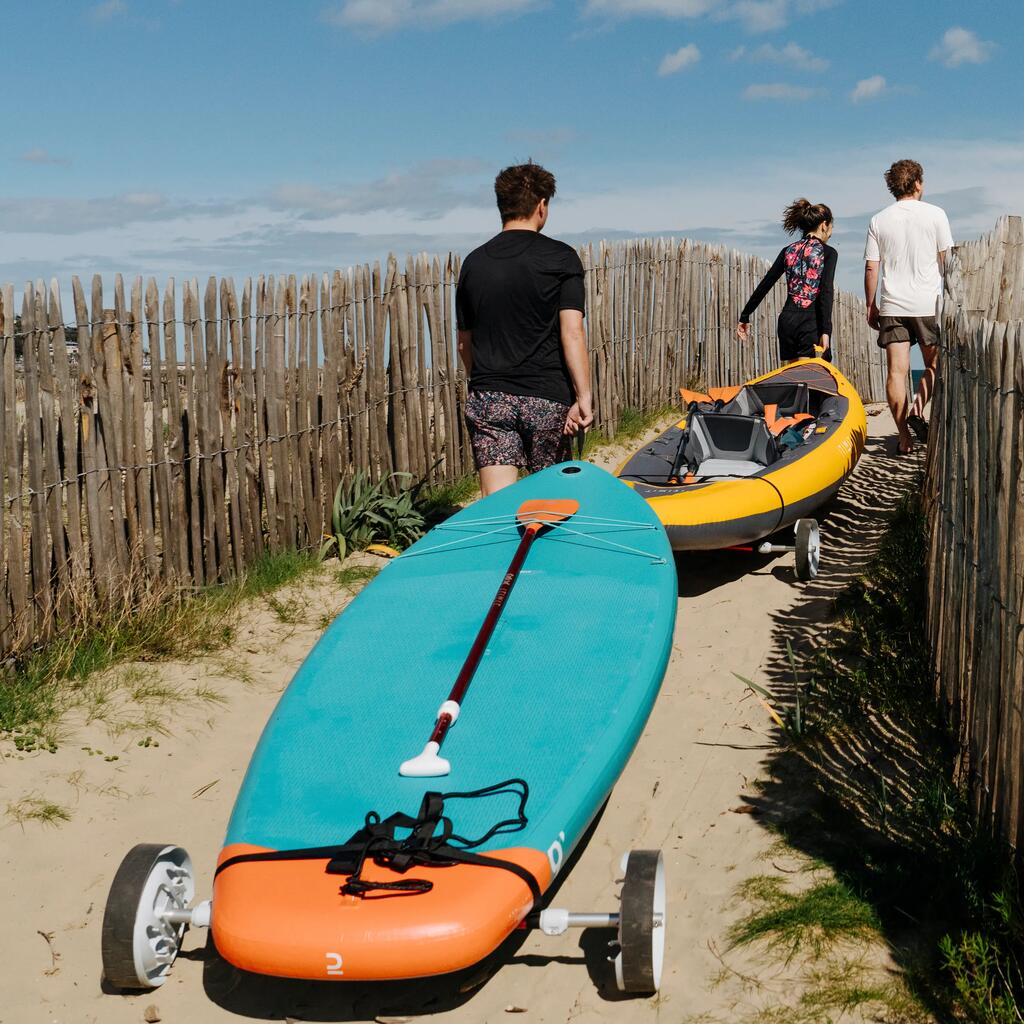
x: 187, y: 138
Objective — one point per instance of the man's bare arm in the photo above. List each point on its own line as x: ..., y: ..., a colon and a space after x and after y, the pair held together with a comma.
x: 574, y: 347
x: 870, y: 290
x: 466, y: 350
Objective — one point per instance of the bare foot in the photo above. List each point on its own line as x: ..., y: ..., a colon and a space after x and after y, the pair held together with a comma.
x: 906, y: 443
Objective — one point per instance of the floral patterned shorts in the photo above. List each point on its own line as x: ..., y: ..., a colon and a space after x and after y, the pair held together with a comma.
x: 514, y: 430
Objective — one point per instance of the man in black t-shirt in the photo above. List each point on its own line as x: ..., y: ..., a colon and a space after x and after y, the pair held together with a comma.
x: 520, y: 306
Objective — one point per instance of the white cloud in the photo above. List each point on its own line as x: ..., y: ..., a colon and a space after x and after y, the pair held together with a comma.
x: 868, y: 89
x: 657, y: 8
x: 38, y: 155
x: 684, y: 57
x: 962, y: 46
x: 388, y: 15
x: 107, y: 10
x: 425, y: 191
x: 759, y: 15
x: 753, y: 15
x: 779, y: 91
x: 792, y: 55
x: 974, y: 180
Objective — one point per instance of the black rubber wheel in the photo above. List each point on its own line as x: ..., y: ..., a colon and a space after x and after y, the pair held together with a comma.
x: 642, y: 923
x: 808, y: 548
x: 138, y: 947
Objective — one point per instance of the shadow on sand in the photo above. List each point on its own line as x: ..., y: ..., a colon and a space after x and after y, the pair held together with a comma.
x: 851, y: 794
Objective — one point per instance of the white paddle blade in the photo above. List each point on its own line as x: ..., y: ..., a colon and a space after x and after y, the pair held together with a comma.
x: 427, y: 765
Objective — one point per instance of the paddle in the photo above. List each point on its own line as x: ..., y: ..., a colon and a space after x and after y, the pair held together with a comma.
x: 534, y: 516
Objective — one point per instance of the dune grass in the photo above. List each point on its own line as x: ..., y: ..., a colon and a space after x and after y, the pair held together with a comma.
x: 353, y: 577
x: 793, y: 921
x: 869, y: 788
x: 632, y: 423
x: 35, y: 808
x: 144, y: 624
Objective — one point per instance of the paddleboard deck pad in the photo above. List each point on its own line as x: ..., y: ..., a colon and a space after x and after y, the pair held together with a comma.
x: 336, y: 867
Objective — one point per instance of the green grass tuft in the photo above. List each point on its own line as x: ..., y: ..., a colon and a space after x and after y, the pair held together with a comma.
x: 36, y: 808
x: 817, y: 917
x: 273, y: 571
x: 632, y: 423
x: 354, y: 577
x: 152, y: 624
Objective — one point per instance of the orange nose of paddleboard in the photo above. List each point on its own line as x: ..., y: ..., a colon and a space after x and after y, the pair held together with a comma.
x: 546, y: 510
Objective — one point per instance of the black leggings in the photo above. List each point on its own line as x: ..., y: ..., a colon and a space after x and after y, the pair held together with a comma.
x: 798, y: 333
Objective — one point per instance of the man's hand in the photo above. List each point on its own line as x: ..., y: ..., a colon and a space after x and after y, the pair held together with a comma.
x: 743, y: 332
x: 579, y: 417
x: 873, y: 317
x: 823, y: 342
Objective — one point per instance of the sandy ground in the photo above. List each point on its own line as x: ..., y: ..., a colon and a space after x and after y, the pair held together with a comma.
x: 690, y: 790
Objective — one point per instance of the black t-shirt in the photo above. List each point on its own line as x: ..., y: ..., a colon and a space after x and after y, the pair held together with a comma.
x: 510, y: 293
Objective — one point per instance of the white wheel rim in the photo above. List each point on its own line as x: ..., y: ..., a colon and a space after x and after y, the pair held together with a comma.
x: 814, y: 550
x: 660, y: 921
x: 155, y: 941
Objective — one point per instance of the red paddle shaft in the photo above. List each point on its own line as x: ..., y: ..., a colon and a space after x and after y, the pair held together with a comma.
x: 534, y: 515
x: 476, y: 652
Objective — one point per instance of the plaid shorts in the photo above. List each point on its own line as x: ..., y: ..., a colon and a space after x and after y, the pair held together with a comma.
x: 516, y: 430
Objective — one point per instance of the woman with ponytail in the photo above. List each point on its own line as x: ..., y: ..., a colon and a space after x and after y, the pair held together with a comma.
x: 805, y: 323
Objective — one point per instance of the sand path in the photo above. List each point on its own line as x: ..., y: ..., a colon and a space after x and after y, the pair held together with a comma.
x: 687, y: 790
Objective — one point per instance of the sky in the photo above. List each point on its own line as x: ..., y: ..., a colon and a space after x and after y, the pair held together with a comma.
x: 188, y: 138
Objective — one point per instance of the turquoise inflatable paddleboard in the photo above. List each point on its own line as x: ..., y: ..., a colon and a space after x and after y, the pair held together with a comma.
x: 317, y: 879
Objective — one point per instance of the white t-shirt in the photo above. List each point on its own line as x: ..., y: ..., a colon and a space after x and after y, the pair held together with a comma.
x: 905, y: 238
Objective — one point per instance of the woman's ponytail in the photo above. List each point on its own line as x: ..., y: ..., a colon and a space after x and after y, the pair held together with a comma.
x: 803, y: 216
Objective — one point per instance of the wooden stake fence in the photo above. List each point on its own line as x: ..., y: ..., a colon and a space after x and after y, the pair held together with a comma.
x: 975, y: 501
x: 197, y: 428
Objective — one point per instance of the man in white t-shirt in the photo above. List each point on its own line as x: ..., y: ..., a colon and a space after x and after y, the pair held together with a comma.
x: 906, y: 252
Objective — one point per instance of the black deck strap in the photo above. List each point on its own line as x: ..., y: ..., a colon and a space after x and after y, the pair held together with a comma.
x: 431, y: 843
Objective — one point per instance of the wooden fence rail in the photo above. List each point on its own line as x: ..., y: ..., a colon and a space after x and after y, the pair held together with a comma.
x: 975, y: 502
x: 194, y: 429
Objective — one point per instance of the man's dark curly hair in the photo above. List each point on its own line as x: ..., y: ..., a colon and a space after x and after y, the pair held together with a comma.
x: 520, y: 188
x: 903, y: 176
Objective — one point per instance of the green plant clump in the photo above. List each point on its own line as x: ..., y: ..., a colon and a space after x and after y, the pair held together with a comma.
x: 365, y: 513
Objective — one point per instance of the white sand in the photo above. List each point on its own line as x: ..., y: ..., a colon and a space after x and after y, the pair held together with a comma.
x: 687, y: 791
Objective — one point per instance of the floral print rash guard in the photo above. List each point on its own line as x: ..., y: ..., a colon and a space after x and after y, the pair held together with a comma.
x: 810, y: 266
x: 805, y: 262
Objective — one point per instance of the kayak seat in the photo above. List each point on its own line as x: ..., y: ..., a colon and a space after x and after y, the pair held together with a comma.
x: 744, y: 442
x: 788, y: 399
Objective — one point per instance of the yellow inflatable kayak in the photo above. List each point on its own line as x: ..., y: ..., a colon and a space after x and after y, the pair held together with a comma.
x: 748, y: 461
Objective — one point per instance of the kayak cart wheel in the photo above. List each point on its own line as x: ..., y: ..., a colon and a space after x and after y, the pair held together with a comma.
x: 139, y: 942
x: 808, y: 548
x: 641, y: 923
